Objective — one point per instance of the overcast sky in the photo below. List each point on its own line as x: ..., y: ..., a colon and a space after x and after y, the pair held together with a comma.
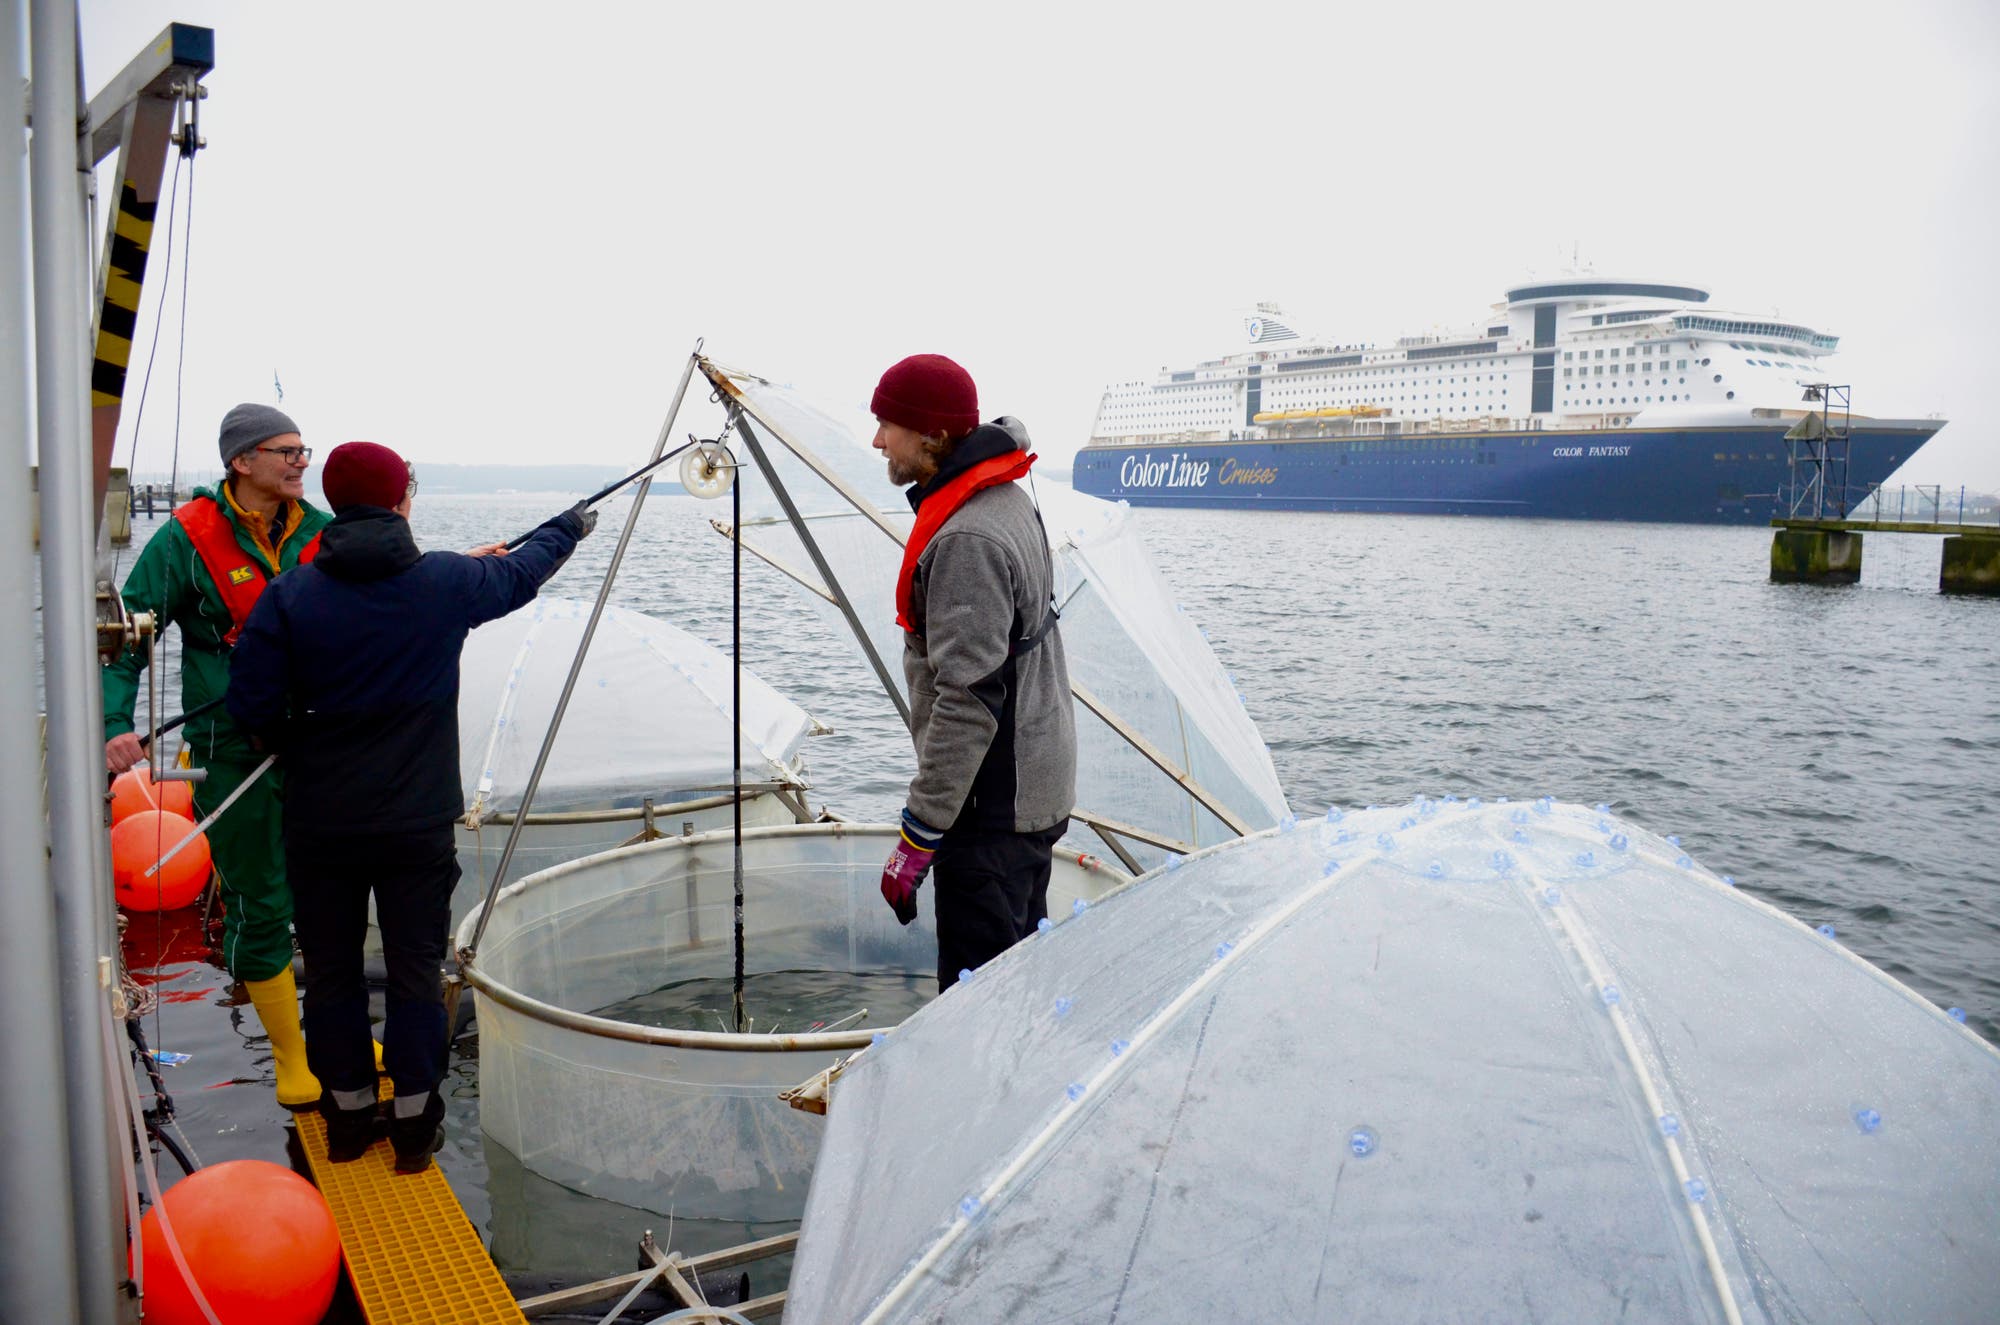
x: 494, y: 231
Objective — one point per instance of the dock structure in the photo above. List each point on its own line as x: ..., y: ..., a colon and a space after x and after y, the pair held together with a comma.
x: 411, y: 1253
x: 1819, y: 539
x: 1827, y: 549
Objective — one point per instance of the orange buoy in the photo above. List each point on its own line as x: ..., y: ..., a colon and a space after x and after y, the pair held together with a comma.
x: 134, y: 790
x: 143, y: 838
x: 258, y: 1239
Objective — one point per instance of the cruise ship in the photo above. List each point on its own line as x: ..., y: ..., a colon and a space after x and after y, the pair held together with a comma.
x: 1575, y: 398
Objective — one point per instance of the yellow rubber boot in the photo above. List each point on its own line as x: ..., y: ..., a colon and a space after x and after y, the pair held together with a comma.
x: 277, y: 1004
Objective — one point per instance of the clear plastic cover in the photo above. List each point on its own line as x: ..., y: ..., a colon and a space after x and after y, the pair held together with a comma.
x: 649, y: 715
x: 663, y: 1121
x: 1127, y: 640
x: 1437, y: 1061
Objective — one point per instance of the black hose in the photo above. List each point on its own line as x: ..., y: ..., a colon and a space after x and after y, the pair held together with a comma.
x: 736, y: 717
x: 172, y: 723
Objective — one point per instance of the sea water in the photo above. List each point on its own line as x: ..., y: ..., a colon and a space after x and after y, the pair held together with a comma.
x: 779, y: 1002
x: 1829, y: 748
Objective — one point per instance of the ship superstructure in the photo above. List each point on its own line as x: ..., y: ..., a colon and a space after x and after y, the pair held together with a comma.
x: 1579, y: 354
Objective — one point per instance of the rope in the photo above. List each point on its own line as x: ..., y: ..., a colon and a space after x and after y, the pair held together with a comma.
x: 180, y: 360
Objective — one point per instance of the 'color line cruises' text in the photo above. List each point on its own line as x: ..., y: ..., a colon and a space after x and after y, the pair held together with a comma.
x: 1177, y: 471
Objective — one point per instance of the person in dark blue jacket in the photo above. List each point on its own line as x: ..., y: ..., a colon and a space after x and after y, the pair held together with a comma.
x: 348, y: 670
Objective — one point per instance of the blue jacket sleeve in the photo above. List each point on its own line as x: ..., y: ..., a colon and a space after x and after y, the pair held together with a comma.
x: 256, y: 698
x: 495, y: 586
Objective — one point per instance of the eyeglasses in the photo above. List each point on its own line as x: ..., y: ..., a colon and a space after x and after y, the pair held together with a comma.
x: 410, y: 491
x: 294, y: 455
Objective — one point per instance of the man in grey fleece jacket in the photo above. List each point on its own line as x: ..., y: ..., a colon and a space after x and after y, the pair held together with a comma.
x: 990, y: 707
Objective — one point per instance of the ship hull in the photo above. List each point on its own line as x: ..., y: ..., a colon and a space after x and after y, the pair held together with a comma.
x: 1717, y: 475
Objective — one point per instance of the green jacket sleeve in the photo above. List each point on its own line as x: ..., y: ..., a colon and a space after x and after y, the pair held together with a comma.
x: 158, y: 584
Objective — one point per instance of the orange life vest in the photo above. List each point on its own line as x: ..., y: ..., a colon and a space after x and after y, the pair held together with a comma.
x: 239, y: 577
x: 938, y: 507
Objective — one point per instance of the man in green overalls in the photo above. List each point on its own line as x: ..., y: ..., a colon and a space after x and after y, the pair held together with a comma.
x: 205, y: 569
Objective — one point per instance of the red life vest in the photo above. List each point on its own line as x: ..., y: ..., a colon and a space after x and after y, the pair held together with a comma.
x: 940, y: 506
x: 239, y: 577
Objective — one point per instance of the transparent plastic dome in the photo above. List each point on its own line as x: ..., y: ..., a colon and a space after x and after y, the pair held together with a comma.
x: 608, y: 753
x: 1440, y: 1061
x: 611, y: 758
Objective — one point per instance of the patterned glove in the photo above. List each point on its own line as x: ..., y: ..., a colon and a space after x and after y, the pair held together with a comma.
x: 907, y: 865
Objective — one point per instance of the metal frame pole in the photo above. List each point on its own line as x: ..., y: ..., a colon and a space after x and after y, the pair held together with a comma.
x: 576, y: 663
x: 38, y: 1253
x: 79, y: 869
x: 819, y: 562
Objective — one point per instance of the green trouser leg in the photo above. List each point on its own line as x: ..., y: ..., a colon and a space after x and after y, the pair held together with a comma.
x: 247, y: 846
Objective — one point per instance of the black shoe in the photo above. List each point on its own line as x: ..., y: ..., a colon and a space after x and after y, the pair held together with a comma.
x: 418, y: 1137
x: 420, y: 1161
x: 349, y: 1132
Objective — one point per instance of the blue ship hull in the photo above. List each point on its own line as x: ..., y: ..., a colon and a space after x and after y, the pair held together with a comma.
x: 1725, y: 475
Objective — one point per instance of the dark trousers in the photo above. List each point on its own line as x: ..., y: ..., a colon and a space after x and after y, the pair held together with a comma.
x: 992, y: 889
x: 411, y: 876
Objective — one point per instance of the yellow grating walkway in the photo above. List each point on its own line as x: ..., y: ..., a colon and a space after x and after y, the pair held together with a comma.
x: 413, y: 1256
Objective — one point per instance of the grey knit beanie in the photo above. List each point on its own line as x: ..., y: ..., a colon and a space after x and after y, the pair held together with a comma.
x: 248, y: 424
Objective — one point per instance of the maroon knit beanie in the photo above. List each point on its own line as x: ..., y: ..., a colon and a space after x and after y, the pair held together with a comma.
x: 930, y: 394
x: 364, y: 474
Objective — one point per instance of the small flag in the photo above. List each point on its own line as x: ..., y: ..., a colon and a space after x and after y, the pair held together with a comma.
x: 278, y: 386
